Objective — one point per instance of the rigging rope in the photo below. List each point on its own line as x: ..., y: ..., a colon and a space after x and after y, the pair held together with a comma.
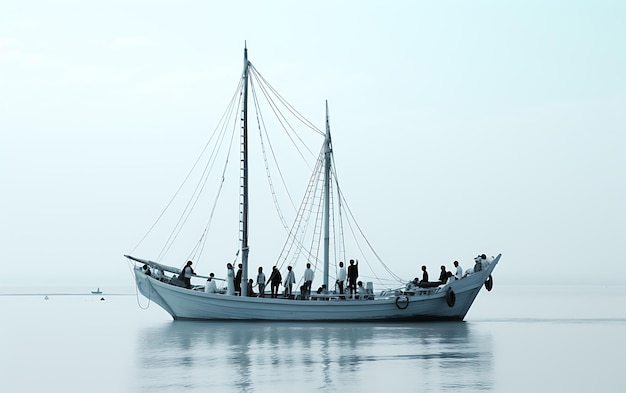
x: 217, y: 196
x: 195, y: 195
x: 300, y: 224
x: 297, y: 114
x: 267, y: 168
x: 190, y: 171
x: 366, y: 240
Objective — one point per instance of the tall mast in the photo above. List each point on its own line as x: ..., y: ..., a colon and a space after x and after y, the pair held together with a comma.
x: 244, y: 178
x: 327, y: 157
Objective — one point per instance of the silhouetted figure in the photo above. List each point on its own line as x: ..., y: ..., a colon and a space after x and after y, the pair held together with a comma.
x: 443, y: 276
x: 275, y: 280
x: 353, y: 274
x: 424, y: 274
x: 251, y: 288
x: 238, y: 280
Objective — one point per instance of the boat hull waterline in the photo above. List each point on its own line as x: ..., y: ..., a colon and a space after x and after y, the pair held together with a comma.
x: 426, y: 304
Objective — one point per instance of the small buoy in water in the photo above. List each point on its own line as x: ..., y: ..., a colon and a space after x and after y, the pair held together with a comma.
x: 101, y: 298
x: 46, y: 297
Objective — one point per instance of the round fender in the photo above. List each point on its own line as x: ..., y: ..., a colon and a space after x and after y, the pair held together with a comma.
x: 489, y: 283
x: 450, y: 297
x: 402, y: 304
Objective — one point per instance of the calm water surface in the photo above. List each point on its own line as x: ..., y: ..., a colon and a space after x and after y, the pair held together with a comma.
x: 515, y: 339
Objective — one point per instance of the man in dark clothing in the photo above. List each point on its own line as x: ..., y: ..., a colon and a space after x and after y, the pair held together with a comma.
x: 251, y: 288
x: 443, y: 276
x: 353, y: 274
x: 238, y: 281
x: 424, y: 274
x: 275, y: 280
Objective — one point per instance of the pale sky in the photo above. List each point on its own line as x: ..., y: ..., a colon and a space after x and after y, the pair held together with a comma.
x: 460, y: 127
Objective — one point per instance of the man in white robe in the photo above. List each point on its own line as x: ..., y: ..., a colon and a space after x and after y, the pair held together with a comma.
x: 290, y: 279
x: 308, y: 280
x: 210, y: 286
x: 260, y: 281
x: 459, y: 270
x: 230, y: 279
x: 341, y: 277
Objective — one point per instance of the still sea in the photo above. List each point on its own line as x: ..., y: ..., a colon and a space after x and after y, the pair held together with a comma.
x: 514, y: 339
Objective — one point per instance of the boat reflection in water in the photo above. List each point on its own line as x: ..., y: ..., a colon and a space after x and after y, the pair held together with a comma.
x: 257, y: 356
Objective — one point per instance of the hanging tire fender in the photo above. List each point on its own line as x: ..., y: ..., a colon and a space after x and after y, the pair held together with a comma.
x: 450, y: 297
x: 489, y: 283
x: 404, y: 301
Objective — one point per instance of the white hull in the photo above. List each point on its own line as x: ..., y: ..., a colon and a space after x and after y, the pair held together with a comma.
x: 431, y: 304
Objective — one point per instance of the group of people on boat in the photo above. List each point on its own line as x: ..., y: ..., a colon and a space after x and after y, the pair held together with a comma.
x: 350, y: 276
x: 445, y: 277
x: 480, y: 263
x: 346, y: 283
x: 275, y: 280
x: 158, y: 273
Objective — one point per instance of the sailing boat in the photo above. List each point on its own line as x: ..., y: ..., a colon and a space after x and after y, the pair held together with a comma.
x: 418, y: 301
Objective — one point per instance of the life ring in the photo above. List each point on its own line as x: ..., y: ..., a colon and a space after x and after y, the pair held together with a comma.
x: 489, y: 283
x: 450, y: 297
x: 398, y: 304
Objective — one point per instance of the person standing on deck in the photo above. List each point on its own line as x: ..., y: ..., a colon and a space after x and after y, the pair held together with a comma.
x: 275, y: 280
x: 353, y: 274
x: 290, y: 279
x: 459, y: 270
x: 341, y: 277
x: 260, y: 280
x: 230, y: 277
x: 238, y: 281
x: 187, y: 272
x: 424, y: 274
x: 308, y: 280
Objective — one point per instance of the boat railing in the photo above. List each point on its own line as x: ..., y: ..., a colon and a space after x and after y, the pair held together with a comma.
x: 401, y: 291
x: 392, y: 292
x: 341, y: 296
x: 423, y: 291
x: 411, y: 291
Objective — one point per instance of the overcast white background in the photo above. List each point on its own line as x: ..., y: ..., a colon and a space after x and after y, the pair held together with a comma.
x: 459, y: 127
